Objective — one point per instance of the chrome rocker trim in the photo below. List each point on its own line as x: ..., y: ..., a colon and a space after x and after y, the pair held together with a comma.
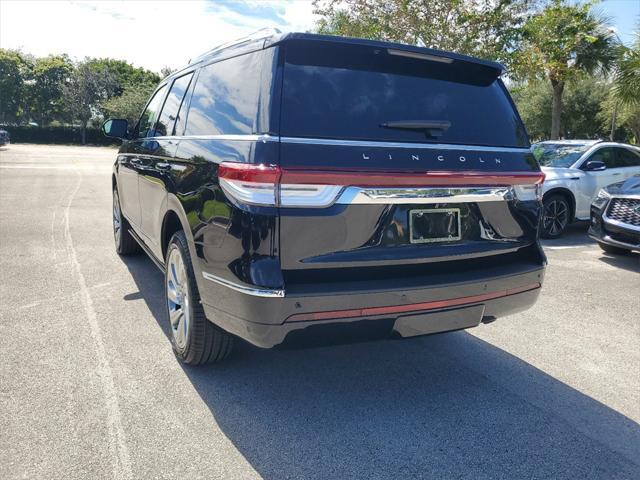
x: 386, y: 196
x: 256, y: 292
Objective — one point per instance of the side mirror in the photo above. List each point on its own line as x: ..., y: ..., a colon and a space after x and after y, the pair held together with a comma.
x: 595, y: 166
x: 116, y: 128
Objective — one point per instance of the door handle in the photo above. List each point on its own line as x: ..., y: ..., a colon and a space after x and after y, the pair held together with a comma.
x: 616, y: 174
x: 163, y: 166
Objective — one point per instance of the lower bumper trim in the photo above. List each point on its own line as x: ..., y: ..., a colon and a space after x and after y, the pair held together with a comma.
x: 255, y: 291
x: 412, y: 307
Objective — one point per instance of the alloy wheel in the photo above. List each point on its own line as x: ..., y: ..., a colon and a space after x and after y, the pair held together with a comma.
x: 178, y: 298
x: 556, y: 217
x: 117, y: 218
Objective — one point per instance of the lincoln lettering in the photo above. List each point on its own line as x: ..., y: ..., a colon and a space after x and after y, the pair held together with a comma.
x: 439, y: 158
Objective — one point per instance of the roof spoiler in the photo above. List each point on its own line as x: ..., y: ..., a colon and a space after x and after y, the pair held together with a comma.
x: 261, y: 34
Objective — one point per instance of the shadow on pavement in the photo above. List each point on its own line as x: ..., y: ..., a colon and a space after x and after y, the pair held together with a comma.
x: 574, y: 236
x: 444, y: 406
x: 629, y: 261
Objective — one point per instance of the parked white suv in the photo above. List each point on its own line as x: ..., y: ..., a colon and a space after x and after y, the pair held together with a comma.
x: 575, y: 171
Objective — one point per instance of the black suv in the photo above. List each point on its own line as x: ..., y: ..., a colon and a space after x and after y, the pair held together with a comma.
x: 298, y: 185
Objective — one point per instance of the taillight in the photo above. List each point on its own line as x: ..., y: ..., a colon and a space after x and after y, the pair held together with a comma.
x: 250, y: 183
x: 528, y: 192
x: 270, y: 185
x: 263, y: 185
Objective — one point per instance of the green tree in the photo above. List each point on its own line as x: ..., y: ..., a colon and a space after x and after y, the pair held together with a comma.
x: 624, y: 104
x: 13, y: 69
x: 627, y: 79
x: 129, y: 105
x: 124, y: 74
x: 533, y: 100
x: 620, y: 120
x: 48, y: 76
x: 484, y: 28
x: 88, y: 86
x: 559, y: 44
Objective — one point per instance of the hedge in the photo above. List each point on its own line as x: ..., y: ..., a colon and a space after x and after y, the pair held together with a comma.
x: 62, y: 135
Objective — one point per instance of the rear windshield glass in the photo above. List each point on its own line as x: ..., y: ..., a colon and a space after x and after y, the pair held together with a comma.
x: 349, y: 92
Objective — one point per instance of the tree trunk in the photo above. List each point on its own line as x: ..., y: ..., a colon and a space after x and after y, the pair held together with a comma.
x: 556, y: 109
x: 83, y: 131
x: 613, y: 121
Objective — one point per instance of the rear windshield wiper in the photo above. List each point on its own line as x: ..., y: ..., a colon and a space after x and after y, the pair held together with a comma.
x: 432, y: 128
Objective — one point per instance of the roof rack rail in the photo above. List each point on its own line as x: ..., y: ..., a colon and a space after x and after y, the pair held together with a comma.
x: 257, y: 35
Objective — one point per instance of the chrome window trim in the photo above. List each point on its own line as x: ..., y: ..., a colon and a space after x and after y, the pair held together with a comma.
x: 254, y: 291
x: 239, y: 137
x: 419, y: 195
x: 345, y: 143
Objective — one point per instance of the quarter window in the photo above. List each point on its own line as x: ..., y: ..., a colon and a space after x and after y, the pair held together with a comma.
x: 225, y: 97
x: 150, y: 114
x: 627, y: 158
x: 167, y: 120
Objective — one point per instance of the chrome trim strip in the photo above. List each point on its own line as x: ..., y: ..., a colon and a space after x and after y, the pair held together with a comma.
x: 618, y: 223
x: 608, y: 240
x: 369, y: 143
x: 429, y: 195
x: 344, y: 143
x: 256, y: 292
x: 632, y: 196
x: 264, y: 138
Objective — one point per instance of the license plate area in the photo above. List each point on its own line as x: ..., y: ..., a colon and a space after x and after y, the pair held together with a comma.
x: 429, y: 225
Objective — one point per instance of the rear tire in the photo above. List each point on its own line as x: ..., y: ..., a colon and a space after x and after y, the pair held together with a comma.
x: 613, y: 250
x: 194, y: 338
x: 556, y: 216
x: 125, y: 243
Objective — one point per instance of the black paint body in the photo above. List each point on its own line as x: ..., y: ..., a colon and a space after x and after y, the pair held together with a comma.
x: 335, y: 258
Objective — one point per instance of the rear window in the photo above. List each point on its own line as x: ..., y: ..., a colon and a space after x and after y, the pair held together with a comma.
x: 349, y: 91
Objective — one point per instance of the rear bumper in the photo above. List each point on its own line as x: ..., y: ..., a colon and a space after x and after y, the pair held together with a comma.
x: 405, y: 308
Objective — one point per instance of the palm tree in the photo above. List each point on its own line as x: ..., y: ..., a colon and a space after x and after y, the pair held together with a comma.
x: 562, y: 42
x: 625, y: 93
x: 626, y: 86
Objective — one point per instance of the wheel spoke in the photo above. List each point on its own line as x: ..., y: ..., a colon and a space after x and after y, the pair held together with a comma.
x: 175, y: 316
x: 172, y: 293
x: 179, y: 332
x: 174, y: 275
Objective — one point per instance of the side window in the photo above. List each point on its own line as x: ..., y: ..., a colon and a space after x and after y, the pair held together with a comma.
x: 226, y: 97
x: 150, y: 114
x: 164, y: 125
x: 626, y: 158
x: 606, y: 155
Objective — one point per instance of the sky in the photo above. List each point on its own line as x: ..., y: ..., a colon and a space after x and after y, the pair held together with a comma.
x: 148, y: 33
x: 162, y: 33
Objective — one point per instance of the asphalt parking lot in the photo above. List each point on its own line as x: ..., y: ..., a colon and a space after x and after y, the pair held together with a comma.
x: 89, y: 387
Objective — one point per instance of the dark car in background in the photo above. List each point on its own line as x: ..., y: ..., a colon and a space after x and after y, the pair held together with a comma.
x: 5, y: 139
x: 615, y: 217
x: 298, y: 185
